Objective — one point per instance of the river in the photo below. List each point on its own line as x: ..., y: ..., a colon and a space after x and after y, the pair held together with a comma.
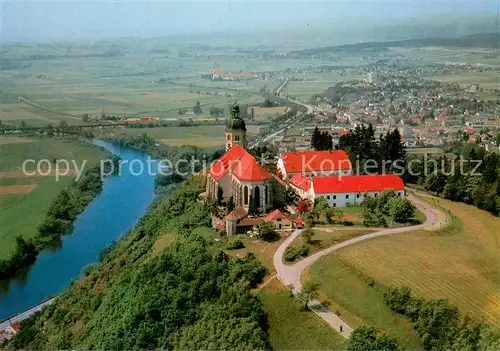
x: 123, y: 201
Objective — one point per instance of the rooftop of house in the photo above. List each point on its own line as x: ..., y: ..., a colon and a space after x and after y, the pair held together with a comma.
x: 314, y: 161
x: 276, y: 214
x: 357, y: 184
x: 301, y: 182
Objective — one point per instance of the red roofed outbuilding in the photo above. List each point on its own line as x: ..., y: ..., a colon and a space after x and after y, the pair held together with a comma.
x: 314, y: 163
x: 280, y: 220
x: 341, y: 191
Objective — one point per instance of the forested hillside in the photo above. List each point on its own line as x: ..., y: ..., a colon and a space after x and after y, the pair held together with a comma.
x: 160, y: 287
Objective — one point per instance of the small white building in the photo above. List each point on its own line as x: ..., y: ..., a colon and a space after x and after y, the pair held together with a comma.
x: 341, y: 191
x: 314, y: 163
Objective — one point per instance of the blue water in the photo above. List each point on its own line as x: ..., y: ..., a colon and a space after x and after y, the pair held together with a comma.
x: 124, y: 199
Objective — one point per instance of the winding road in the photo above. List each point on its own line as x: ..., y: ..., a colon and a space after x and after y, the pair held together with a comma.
x: 290, y: 275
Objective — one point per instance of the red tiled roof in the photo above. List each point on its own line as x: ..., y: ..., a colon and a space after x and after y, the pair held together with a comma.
x: 242, y: 165
x: 357, y: 184
x: 248, y: 222
x: 310, y: 161
x: 222, y: 165
x: 276, y: 214
x: 301, y: 182
x: 299, y: 221
x: 247, y: 169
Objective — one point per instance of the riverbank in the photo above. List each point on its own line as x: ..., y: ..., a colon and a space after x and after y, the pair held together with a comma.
x: 104, y: 220
x: 36, y: 220
x: 150, y: 279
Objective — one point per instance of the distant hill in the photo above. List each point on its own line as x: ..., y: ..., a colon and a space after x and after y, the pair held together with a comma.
x: 482, y: 40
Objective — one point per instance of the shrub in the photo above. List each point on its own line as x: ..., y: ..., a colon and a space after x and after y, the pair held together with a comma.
x: 291, y: 254
x: 267, y: 232
x: 235, y: 244
x: 304, y: 250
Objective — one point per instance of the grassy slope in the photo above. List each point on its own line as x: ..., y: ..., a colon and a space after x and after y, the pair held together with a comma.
x: 293, y: 328
x: 328, y: 236
x: 290, y: 327
x: 349, y: 293
x: 21, y: 214
x: 464, y: 267
x: 460, y: 263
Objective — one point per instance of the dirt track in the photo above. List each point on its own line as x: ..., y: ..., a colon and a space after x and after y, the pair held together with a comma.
x: 17, y: 189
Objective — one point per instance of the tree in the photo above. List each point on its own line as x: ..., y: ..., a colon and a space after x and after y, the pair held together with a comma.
x: 267, y: 232
x: 63, y: 125
x: 367, y: 339
x: 24, y: 125
x: 401, y: 210
x: 303, y: 206
x: 197, y: 108
x: 490, y: 339
x: 85, y: 117
x: 307, y: 235
x: 49, y: 130
x: 321, y: 141
x: 310, y: 291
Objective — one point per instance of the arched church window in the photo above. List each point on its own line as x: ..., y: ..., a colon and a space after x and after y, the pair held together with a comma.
x: 256, y: 196
x: 245, y: 195
x: 266, y: 195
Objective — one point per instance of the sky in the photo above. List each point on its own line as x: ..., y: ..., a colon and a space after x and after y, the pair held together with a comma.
x: 40, y: 20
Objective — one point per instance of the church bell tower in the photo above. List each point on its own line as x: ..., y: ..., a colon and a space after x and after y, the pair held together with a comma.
x: 236, y: 130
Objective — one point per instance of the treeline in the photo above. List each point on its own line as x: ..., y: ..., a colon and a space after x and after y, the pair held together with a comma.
x: 371, y: 154
x: 472, y: 177
x: 165, y: 183
x: 480, y: 40
x: 440, y: 325
x: 59, y: 220
x: 188, y: 295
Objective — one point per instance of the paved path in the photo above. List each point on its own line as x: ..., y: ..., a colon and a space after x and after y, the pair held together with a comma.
x: 24, y: 315
x: 290, y: 275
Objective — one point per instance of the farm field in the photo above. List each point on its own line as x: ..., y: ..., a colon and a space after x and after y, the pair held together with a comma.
x: 486, y: 80
x: 305, y: 89
x: 22, y: 210
x: 202, y: 136
x: 435, y: 55
x: 293, y: 328
x: 461, y: 264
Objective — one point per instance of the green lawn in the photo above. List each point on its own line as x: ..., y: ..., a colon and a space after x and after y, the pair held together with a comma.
x: 328, y: 236
x: 7, y: 201
x: 293, y: 328
x: 349, y: 293
x: 20, y: 214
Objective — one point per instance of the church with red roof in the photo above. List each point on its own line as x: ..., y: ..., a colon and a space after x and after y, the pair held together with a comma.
x: 237, y: 174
